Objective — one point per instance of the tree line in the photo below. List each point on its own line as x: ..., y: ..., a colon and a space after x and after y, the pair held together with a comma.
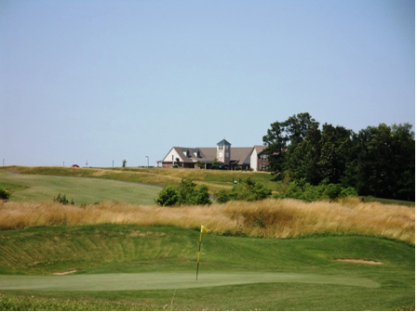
x: 378, y: 161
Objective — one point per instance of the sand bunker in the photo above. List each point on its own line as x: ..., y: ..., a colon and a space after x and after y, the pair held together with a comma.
x: 64, y: 273
x: 359, y: 261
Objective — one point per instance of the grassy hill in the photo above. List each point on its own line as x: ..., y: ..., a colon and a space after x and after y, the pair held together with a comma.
x: 323, y: 284
x: 37, y: 188
x: 214, y: 179
x: 124, y: 253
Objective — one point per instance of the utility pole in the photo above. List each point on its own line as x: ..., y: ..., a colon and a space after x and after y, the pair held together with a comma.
x: 148, y: 160
x: 113, y: 164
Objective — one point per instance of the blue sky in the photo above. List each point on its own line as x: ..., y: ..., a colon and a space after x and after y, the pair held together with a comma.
x: 102, y: 81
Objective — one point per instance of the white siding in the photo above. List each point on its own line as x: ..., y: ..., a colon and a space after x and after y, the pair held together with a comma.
x: 254, y: 160
x: 171, y: 153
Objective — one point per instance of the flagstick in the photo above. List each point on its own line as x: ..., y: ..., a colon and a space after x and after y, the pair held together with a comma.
x: 198, y: 257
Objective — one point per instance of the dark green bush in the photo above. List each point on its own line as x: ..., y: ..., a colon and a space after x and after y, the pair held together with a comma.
x: 201, y: 196
x: 186, y: 194
x: 299, y: 189
x: 167, y: 197
x: 348, y: 192
x: 222, y: 196
x: 248, y: 190
x: 333, y: 191
x: 4, y: 194
x: 62, y: 199
x: 186, y: 191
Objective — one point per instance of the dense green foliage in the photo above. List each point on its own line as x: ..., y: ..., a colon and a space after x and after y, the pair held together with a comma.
x: 246, y: 190
x: 185, y: 194
x: 377, y: 161
x: 303, y: 190
x: 4, y: 194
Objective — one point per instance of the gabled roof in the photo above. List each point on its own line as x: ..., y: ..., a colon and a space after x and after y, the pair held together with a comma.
x: 223, y: 142
x: 259, y: 148
x: 240, y: 155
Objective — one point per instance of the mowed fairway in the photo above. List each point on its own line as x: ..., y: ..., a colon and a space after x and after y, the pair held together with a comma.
x: 81, y: 190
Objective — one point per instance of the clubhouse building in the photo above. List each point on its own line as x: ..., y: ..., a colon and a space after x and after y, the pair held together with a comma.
x: 243, y: 158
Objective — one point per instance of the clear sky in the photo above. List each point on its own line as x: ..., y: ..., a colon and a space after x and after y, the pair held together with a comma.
x: 102, y: 81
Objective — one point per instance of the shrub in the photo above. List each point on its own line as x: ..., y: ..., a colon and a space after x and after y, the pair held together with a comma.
x: 222, y: 196
x: 186, y: 191
x: 167, y: 197
x: 248, y: 190
x: 4, y: 194
x: 348, y: 192
x: 201, y: 196
x: 62, y: 199
x: 186, y: 194
x: 301, y: 190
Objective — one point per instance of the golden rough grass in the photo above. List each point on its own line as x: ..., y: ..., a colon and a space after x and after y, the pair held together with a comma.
x: 268, y: 218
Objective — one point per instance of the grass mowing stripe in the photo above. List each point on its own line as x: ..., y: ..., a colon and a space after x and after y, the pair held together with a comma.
x: 151, y: 281
x: 80, y: 189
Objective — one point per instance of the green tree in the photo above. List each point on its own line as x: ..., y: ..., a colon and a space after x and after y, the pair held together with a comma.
x: 336, y: 152
x: 288, y: 142
x: 385, y: 161
x: 124, y: 163
x: 403, y: 170
x: 377, y: 161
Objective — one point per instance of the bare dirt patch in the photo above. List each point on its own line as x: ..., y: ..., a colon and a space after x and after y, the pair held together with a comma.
x: 359, y: 261
x: 143, y: 234
x: 64, y: 273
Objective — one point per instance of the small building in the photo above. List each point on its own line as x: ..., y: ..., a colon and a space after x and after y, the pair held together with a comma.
x: 223, y: 157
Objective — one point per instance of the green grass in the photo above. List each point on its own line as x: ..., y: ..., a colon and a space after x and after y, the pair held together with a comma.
x: 29, y: 187
x: 110, y: 249
x: 11, y: 187
x: 309, y: 278
x: 214, y: 179
x: 385, y: 201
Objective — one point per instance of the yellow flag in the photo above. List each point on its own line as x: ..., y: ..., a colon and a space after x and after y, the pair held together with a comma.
x: 204, y: 229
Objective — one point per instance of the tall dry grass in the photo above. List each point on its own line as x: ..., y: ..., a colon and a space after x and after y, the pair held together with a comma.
x: 268, y: 218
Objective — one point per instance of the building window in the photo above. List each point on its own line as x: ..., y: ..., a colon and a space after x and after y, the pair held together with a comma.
x: 220, y: 147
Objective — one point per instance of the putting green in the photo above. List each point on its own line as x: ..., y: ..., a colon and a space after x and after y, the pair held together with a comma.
x: 147, y: 281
